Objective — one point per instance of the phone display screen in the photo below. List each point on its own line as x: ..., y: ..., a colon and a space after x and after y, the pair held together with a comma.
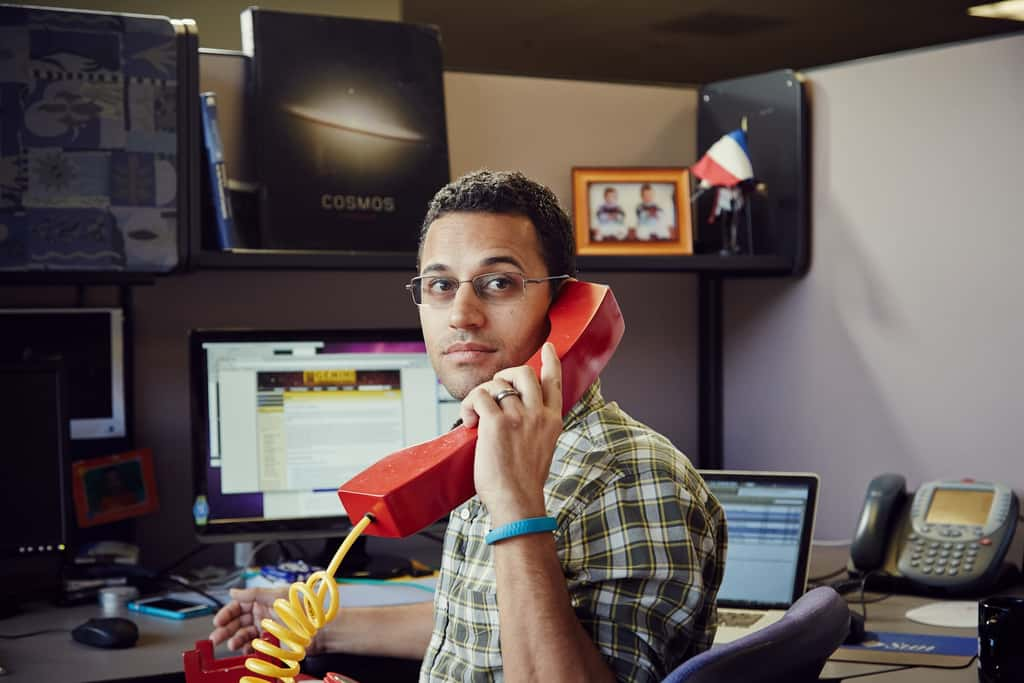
x: 959, y: 506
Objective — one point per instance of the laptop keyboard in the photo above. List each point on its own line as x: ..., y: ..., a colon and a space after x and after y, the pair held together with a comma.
x: 739, y: 618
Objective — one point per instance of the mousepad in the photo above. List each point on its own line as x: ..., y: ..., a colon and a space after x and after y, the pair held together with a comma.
x: 912, y: 649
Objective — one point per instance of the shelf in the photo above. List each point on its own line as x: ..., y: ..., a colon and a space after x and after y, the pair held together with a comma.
x: 241, y: 259
x: 774, y: 107
x: 44, y: 278
x: 741, y: 265
x: 302, y: 260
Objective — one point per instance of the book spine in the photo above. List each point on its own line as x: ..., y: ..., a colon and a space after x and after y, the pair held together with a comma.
x: 227, y: 236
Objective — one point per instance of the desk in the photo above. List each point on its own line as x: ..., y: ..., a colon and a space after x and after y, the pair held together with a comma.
x: 56, y: 658
x: 888, y: 615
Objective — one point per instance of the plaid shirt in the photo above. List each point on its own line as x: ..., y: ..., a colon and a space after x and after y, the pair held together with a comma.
x: 641, y: 541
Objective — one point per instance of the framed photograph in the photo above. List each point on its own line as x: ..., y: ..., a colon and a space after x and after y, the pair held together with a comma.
x: 113, y: 487
x: 632, y: 211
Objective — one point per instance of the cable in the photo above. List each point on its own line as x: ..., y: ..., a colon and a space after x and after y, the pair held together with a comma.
x: 303, y: 615
x: 872, y: 601
x: 387, y: 582
x: 187, y: 556
x: 15, y: 636
x: 863, y: 582
x: 190, y: 587
x: 825, y: 577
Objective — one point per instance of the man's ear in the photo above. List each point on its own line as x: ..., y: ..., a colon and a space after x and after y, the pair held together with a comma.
x: 560, y: 286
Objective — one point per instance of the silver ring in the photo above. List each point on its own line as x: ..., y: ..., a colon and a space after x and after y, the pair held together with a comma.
x: 505, y: 393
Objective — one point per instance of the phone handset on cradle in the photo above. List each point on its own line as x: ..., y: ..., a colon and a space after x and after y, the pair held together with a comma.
x: 885, y: 494
x: 950, y: 537
x: 414, y: 487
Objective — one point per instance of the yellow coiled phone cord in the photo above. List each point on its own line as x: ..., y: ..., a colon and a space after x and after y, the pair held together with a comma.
x: 303, y: 615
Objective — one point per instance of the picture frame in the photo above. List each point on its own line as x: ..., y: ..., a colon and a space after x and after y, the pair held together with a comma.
x: 642, y: 211
x: 113, y: 487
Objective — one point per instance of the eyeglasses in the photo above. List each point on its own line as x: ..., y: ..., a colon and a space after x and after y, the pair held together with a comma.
x: 493, y: 288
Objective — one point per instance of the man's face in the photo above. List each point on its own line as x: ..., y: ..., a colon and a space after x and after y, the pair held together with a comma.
x: 647, y: 195
x: 611, y: 197
x: 470, y: 341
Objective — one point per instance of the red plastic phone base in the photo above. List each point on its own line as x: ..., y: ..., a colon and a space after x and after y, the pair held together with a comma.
x: 416, y: 486
x: 202, y: 667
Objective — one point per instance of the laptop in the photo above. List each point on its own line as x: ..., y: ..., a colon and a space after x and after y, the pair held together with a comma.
x: 770, y: 517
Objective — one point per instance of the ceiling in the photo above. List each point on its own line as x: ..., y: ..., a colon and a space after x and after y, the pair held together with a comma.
x: 688, y: 41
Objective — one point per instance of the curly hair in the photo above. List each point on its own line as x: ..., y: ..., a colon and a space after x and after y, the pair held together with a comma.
x: 511, y: 193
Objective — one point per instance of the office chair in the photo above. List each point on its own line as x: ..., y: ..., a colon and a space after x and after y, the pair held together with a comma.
x: 792, y: 650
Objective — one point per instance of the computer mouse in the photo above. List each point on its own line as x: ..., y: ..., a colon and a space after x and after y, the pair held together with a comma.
x: 109, y: 632
x: 855, y: 636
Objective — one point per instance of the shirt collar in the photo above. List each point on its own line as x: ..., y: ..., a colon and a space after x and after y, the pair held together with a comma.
x: 589, y: 402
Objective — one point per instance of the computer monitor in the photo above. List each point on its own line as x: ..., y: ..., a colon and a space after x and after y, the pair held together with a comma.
x: 90, y: 341
x: 282, y: 418
x: 34, y: 458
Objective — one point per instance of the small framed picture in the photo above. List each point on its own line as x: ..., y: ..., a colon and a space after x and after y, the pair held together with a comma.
x: 632, y: 211
x: 113, y: 487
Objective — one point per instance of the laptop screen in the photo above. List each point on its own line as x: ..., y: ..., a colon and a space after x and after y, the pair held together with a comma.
x: 770, y: 517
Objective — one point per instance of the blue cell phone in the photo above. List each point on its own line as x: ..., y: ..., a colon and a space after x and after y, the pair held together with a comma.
x: 171, y: 608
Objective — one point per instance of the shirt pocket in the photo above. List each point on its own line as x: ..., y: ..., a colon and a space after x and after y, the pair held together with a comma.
x: 473, y: 626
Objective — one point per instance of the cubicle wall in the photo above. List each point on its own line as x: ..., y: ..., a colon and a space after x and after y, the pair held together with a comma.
x: 542, y: 127
x: 901, y: 351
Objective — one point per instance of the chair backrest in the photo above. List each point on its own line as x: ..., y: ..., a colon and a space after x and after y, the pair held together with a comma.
x: 791, y: 650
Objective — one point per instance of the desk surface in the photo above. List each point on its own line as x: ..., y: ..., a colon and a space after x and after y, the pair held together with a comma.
x: 889, y: 615
x: 55, y: 657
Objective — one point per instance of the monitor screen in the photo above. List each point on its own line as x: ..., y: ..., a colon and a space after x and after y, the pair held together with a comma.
x: 33, y: 421
x: 770, y: 517
x: 90, y: 343
x: 281, y: 419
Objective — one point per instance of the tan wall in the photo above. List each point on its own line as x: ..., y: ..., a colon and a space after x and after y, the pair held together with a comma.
x: 544, y: 127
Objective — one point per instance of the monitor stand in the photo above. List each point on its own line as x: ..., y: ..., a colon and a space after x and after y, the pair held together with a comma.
x: 359, y: 563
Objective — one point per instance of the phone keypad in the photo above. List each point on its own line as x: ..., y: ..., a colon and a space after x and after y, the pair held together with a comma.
x: 941, y: 558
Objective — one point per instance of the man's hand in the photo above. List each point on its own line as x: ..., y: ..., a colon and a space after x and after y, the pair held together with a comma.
x: 516, y: 437
x: 238, y: 622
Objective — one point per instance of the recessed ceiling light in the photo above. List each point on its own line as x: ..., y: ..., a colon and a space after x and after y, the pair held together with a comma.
x: 1008, y: 9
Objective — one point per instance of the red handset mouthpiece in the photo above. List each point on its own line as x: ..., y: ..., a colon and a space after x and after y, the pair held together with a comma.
x: 414, y: 487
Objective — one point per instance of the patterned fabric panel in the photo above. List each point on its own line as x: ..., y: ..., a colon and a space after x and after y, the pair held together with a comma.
x: 88, y: 141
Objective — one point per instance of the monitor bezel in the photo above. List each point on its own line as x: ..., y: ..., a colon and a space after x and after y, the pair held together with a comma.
x: 114, y: 426
x: 250, y: 530
x: 813, y: 482
x: 55, y: 369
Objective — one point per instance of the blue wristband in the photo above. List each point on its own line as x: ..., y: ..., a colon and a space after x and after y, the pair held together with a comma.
x: 532, y: 525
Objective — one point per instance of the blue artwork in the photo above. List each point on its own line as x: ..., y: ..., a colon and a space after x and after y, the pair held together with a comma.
x: 62, y: 239
x: 88, y: 141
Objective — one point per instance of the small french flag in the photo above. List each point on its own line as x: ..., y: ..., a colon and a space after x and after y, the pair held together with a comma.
x: 727, y: 163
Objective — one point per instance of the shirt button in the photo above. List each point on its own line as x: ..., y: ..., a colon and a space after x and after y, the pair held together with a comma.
x: 464, y: 514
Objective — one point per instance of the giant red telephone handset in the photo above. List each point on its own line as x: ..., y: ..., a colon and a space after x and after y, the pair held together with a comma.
x: 414, y: 487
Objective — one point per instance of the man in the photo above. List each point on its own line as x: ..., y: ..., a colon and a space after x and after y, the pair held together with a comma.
x: 625, y: 586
